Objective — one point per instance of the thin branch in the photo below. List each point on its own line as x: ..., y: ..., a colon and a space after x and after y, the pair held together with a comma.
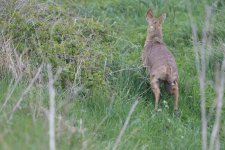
x: 78, y: 73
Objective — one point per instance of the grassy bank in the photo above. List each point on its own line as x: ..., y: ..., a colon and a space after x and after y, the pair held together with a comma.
x: 98, y: 45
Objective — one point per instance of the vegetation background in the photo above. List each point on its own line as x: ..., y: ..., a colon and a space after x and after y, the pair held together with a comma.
x: 98, y: 44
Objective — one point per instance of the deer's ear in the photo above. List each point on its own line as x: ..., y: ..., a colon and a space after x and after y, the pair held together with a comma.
x: 149, y: 15
x: 162, y: 18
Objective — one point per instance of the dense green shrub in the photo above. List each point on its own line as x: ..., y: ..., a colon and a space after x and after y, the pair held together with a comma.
x: 52, y: 35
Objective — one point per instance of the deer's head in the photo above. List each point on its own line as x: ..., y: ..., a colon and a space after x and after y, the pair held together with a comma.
x: 154, y: 24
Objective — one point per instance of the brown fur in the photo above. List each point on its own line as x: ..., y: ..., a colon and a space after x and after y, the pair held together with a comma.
x: 158, y: 60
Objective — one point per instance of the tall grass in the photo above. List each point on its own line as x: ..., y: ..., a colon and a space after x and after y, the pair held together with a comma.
x: 98, y: 45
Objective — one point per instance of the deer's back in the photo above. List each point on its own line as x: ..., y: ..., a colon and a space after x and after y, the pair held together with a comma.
x: 157, y: 55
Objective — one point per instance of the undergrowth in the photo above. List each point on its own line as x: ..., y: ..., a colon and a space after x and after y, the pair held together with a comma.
x: 98, y: 44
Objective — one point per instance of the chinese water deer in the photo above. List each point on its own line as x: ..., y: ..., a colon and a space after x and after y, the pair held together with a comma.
x: 159, y: 61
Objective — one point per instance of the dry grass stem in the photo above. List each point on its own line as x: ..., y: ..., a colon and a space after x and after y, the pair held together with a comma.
x: 10, y: 60
x: 10, y: 91
x: 52, y: 106
x: 214, y: 141
x: 201, y: 67
x: 26, y: 91
x: 201, y: 70
x: 122, y: 131
x: 51, y: 109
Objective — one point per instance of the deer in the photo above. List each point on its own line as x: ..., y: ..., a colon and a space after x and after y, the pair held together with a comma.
x: 159, y: 61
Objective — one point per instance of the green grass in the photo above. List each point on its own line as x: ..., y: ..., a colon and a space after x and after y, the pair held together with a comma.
x: 108, y: 36
x: 28, y: 128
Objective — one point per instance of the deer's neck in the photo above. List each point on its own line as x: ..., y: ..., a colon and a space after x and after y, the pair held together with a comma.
x: 154, y: 37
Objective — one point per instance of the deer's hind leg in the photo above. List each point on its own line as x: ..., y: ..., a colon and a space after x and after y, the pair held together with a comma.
x: 176, y: 95
x: 173, y: 89
x: 156, y: 90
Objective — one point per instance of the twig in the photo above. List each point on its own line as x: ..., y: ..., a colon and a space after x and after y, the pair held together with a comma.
x: 77, y: 75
